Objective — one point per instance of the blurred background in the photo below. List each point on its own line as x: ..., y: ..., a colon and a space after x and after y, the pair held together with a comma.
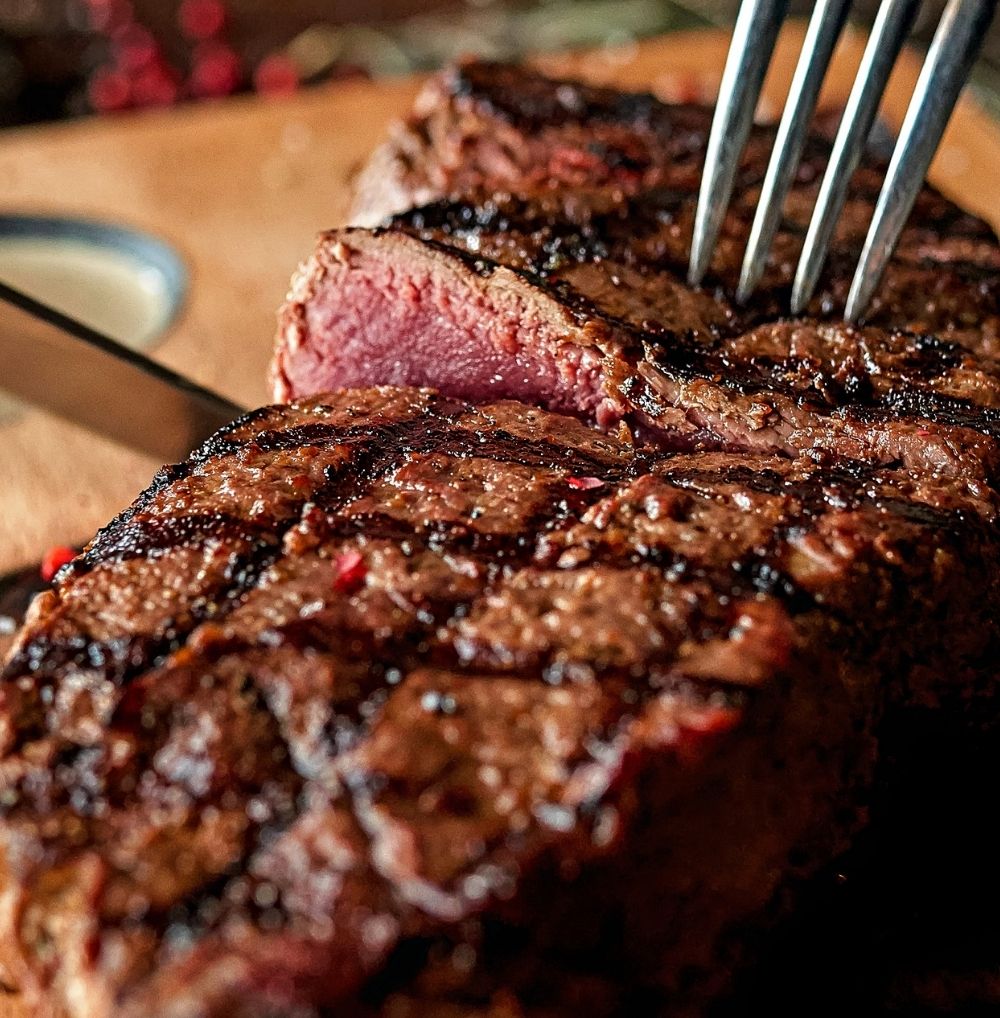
x: 66, y: 58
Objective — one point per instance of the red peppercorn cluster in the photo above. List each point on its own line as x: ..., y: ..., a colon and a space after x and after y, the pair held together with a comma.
x: 138, y: 73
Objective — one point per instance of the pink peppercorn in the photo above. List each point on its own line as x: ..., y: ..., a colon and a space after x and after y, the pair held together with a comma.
x: 349, y: 572
x: 585, y: 483
x: 54, y: 559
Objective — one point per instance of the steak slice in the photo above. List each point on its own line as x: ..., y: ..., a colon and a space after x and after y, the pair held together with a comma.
x: 566, y: 289
x: 611, y: 342
x: 487, y: 126
x: 383, y: 704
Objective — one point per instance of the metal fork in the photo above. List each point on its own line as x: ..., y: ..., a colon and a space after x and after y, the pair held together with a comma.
x: 950, y: 57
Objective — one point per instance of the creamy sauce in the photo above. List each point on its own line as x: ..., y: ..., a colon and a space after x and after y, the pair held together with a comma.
x: 108, y: 290
x: 105, y: 289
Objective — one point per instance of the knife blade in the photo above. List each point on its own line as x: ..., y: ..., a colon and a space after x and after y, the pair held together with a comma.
x: 82, y: 376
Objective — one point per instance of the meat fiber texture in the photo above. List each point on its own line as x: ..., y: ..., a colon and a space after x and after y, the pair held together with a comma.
x: 385, y: 704
x: 544, y: 260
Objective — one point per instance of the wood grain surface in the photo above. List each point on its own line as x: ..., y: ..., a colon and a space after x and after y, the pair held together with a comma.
x: 241, y: 188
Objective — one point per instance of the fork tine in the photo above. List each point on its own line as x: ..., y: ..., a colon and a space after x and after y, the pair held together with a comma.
x: 749, y: 54
x: 888, y: 33
x: 949, y: 60
x: 821, y: 36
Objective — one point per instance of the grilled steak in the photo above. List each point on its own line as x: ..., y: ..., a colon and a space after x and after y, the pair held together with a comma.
x: 382, y: 704
x: 566, y: 288
x: 388, y: 704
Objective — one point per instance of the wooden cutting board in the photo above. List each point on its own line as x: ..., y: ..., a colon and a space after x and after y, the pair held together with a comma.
x: 242, y: 186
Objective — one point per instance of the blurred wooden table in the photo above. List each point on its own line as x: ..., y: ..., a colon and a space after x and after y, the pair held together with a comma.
x: 242, y: 187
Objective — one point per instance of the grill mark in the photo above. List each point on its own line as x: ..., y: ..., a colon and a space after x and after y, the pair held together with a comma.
x: 374, y: 460
x: 967, y: 271
x: 442, y: 536
x: 217, y: 444
x: 552, y: 243
x: 100, y: 791
x: 503, y: 447
x: 928, y: 349
x: 838, y: 489
x: 43, y: 657
x: 220, y: 445
x: 546, y: 107
x: 842, y: 261
x: 756, y: 572
x: 152, y: 536
x: 852, y: 379
x: 551, y: 234
x: 690, y: 360
x: 904, y: 401
x: 120, y: 659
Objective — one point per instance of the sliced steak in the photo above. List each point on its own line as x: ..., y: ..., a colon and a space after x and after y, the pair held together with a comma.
x: 382, y: 704
x: 493, y: 126
x: 612, y: 342
x: 491, y: 129
x: 567, y: 290
x: 488, y: 127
